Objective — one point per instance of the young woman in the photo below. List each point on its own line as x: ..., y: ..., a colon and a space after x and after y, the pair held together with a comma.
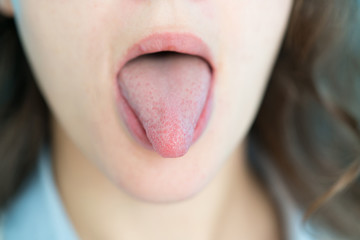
x: 211, y: 119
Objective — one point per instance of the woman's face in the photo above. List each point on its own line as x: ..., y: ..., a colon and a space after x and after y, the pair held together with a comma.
x: 77, y: 48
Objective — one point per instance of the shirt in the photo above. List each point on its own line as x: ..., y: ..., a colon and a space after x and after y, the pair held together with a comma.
x: 37, y: 212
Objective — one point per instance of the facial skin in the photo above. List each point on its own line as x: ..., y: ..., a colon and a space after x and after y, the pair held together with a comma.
x: 75, y: 47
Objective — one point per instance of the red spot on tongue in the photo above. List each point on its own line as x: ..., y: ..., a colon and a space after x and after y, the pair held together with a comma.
x: 167, y: 92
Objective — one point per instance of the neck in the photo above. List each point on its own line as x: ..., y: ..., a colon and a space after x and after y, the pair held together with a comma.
x: 100, y: 210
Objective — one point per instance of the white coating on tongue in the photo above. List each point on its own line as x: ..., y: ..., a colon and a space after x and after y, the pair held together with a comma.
x: 167, y: 92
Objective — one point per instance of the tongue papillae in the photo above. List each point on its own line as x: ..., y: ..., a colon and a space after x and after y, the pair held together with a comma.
x: 167, y: 92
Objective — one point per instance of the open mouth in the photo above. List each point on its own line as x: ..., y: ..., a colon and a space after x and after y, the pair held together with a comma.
x: 165, y: 98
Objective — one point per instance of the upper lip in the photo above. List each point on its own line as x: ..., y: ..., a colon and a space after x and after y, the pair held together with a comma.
x: 185, y: 43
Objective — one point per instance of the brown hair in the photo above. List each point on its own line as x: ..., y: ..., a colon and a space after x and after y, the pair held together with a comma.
x: 308, y: 123
x: 23, y: 113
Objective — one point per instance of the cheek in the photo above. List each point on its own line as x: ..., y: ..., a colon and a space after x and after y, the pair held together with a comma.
x: 251, y: 36
x: 71, y: 58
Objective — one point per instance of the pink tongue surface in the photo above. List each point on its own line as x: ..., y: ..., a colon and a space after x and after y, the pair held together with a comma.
x: 167, y: 92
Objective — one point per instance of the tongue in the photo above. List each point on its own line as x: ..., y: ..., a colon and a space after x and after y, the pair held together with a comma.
x: 167, y: 92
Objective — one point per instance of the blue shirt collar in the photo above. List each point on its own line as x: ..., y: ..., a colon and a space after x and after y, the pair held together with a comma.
x: 37, y: 212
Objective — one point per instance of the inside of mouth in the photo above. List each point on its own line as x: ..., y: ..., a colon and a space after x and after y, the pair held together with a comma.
x: 163, y: 54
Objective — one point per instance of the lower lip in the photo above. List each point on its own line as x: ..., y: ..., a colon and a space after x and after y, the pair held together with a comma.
x: 127, y: 114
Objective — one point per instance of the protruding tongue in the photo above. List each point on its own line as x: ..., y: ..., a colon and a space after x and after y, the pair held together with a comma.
x: 167, y: 91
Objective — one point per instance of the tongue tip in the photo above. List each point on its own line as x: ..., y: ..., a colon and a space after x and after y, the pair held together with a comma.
x: 172, y: 153
x: 171, y: 149
x: 174, y: 145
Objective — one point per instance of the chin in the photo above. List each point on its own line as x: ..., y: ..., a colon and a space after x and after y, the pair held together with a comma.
x: 163, y: 180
